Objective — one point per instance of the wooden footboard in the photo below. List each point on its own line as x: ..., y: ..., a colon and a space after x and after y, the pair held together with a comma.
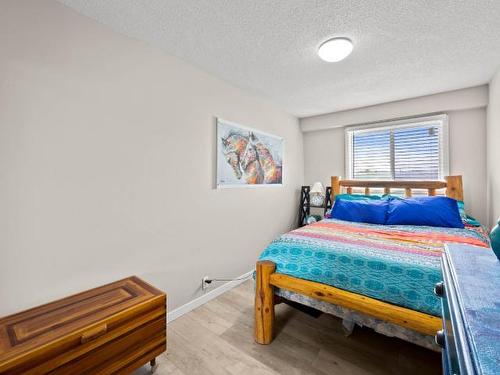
x: 267, y: 279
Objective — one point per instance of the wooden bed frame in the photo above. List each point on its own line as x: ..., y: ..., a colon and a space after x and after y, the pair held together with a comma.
x: 266, y: 277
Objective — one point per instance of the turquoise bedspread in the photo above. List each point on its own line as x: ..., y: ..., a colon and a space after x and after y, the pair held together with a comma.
x: 396, y: 264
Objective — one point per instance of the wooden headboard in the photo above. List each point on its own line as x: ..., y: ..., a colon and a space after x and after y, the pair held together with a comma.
x: 452, y: 184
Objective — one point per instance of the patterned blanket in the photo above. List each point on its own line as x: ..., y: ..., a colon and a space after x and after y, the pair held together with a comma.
x: 399, y: 264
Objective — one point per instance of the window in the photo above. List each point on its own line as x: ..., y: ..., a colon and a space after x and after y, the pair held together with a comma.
x: 414, y: 149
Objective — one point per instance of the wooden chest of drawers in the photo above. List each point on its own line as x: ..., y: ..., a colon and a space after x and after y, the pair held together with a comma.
x: 114, y: 328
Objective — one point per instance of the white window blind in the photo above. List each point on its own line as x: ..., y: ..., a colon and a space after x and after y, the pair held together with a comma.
x: 414, y: 149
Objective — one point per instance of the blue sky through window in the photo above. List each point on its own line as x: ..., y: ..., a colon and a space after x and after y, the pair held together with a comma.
x: 400, y: 153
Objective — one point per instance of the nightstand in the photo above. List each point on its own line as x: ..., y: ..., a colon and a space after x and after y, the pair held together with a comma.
x: 470, y: 294
x: 305, y: 203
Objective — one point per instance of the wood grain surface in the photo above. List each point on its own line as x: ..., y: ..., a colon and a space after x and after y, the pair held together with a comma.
x: 108, y: 328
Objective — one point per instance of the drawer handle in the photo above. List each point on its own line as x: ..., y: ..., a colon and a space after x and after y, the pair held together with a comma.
x: 439, y: 338
x: 439, y: 289
x: 93, y: 333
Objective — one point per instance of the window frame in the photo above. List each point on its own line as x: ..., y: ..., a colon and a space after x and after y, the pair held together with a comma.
x: 444, y: 154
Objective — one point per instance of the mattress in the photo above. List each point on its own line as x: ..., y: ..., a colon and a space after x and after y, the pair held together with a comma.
x: 399, y: 264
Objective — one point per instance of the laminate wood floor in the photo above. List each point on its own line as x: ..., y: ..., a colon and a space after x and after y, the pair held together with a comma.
x: 217, y: 338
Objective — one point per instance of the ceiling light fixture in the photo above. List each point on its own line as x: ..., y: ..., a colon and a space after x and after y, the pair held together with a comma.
x: 335, y: 49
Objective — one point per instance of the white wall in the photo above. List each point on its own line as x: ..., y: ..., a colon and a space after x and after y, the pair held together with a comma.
x: 324, y: 138
x: 107, y: 151
x: 493, y: 147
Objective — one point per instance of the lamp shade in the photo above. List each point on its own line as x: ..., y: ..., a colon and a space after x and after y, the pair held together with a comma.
x: 317, y: 188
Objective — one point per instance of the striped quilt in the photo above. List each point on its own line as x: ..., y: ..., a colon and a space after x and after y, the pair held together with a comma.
x: 399, y: 264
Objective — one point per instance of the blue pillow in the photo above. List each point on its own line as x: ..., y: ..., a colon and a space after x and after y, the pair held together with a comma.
x: 360, y: 211
x: 428, y: 211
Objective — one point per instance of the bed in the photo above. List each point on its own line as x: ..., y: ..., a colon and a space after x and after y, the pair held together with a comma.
x: 376, y: 275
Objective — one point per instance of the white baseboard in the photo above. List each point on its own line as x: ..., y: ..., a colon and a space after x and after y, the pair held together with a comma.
x: 191, y: 305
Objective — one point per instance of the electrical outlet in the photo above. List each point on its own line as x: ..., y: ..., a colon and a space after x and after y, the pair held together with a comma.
x: 204, y: 284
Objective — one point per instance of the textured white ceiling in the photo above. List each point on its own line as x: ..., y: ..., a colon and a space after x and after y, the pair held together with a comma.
x: 403, y: 48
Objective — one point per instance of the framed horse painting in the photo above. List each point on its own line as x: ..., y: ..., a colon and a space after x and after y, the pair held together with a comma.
x: 247, y: 157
